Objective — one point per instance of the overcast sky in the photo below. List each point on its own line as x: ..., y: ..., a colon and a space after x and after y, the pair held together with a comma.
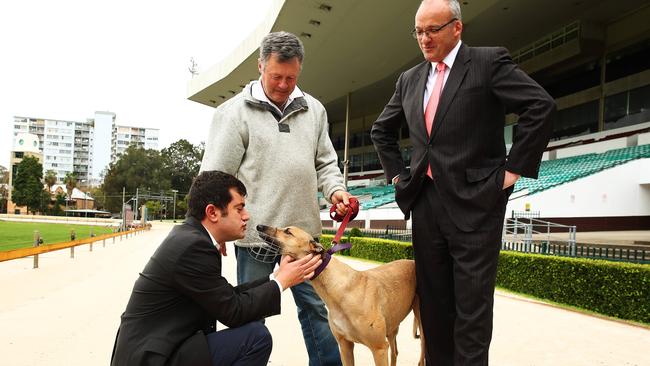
x: 67, y: 59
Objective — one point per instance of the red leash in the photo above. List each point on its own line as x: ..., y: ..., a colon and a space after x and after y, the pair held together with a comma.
x: 353, y: 210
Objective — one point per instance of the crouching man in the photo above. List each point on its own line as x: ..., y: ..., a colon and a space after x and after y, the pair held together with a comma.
x: 170, y: 317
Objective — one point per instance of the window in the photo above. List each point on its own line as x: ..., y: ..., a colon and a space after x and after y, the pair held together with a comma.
x: 627, y: 108
x: 628, y: 61
x: 371, y: 161
x: 356, y: 163
x: 575, y: 121
x: 571, y: 81
x: 406, y: 154
x: 356, y: 139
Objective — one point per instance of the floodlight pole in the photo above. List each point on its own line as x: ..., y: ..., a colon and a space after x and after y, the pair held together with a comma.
x: 123, y: 209
x: 136, y: 203
x: 174, y: 208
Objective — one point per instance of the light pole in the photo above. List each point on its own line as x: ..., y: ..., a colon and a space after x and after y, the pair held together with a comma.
x: 174, y: 208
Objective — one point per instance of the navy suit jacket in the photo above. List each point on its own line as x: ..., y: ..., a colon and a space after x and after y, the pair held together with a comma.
x: 466, y: 148
x: 177, y: 298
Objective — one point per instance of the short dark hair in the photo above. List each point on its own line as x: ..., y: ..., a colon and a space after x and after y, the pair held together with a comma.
x: 212, y: 187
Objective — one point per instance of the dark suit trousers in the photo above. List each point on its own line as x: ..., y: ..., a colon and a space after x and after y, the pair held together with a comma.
x: 248, y: 345
x: 456, y: 273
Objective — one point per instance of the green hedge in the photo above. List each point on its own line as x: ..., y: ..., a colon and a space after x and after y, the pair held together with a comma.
x: 615, y: 289
x: 380, y: 250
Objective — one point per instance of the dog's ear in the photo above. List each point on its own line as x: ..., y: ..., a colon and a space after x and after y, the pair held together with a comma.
x: 316, y: 247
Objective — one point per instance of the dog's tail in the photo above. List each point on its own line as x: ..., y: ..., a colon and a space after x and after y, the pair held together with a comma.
x: 416, y: 327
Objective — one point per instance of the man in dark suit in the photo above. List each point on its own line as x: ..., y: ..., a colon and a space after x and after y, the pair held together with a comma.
x: 454, y: 104
x: 170, y: 317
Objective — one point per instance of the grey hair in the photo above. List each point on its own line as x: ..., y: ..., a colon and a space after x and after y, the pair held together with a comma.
x: 454, y: 7
x: 284, y: 45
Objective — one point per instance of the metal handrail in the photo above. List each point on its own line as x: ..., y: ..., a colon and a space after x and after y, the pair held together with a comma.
x: 40, y: 249
x: 528, y: 227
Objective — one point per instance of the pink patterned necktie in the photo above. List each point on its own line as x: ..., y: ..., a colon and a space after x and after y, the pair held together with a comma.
x: 432, y: 104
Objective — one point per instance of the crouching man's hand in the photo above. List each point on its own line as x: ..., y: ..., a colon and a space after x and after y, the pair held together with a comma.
x: 295, y: 271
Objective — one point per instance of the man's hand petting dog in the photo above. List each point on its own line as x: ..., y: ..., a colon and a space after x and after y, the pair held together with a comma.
x: 294, y: 271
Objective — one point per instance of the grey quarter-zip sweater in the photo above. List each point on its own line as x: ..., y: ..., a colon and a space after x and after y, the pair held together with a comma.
x: 283, y: 159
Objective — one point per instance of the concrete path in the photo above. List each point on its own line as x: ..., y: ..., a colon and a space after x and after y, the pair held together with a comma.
x: 67, y: 312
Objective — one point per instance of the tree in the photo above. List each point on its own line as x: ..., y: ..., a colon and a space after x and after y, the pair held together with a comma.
x: 4, y: 175
x: 55, y: 208
x: 4, y: 197
x: 153, y: 208
x: 4, y: 191
x: 50, y: 179
x: 136, y: 168
x: 27, y: 186
x: 100, y: 198
x: 70, y: 182
x: 182, y: 160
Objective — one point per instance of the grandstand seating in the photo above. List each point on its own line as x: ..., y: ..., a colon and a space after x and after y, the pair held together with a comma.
x: 551, y: 173
x: 559, y: 171
x: 373, y: 197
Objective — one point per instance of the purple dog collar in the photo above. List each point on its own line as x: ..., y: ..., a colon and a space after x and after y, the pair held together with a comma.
x: 328, y: 255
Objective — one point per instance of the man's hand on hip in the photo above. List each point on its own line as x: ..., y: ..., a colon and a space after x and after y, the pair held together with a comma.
x: 510, y: 179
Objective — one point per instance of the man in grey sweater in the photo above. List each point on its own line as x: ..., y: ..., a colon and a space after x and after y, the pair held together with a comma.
x: 273, y: 137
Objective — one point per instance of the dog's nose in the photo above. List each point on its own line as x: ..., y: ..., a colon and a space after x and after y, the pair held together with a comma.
x: 261, y: 227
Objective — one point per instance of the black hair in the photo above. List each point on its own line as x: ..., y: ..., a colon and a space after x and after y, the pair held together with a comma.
x: 212, y: 187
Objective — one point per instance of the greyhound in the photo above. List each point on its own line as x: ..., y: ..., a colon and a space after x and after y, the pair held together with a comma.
x: 364, y: 306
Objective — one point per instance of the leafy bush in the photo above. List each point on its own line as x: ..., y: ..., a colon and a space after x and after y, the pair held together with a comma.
x: 615, y: 289
x: 380, y: 250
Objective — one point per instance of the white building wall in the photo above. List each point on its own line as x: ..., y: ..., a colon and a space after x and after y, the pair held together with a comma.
x: 58, y: 147
x: 83, y: 150
x: 618, y: 191
x: 597, y: 147
x: 644, y: 138
x: 102, y: 143
x: 151, y: 136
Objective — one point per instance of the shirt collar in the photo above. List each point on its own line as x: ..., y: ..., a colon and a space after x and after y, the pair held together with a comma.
x: 450, y: 58
x: 258, y: 93
x: 212, y: 237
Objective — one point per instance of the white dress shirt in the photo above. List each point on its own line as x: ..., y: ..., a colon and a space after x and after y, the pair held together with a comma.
x: 216, y: 244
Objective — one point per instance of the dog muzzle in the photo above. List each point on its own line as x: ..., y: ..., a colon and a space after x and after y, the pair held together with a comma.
x: 267, y: 250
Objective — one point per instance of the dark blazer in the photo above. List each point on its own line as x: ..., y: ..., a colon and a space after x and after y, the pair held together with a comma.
x: 177, y: 298
x: 466, y: 149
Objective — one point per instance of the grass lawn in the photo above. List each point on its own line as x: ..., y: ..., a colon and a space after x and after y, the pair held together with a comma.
x: 14, y: 235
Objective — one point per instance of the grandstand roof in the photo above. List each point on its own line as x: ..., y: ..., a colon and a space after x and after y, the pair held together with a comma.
x: 361, y: 46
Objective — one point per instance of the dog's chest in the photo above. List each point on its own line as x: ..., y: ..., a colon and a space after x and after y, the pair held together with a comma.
x: 357, y: 326
x: 340, y: 321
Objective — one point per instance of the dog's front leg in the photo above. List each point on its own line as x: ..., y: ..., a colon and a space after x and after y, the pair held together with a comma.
x: 380, y: 354
x: 347, y: 350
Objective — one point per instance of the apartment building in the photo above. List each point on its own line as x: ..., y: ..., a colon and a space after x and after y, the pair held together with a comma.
x: 66, y: 145
x: 86, y: 148
x: 125, y: 136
